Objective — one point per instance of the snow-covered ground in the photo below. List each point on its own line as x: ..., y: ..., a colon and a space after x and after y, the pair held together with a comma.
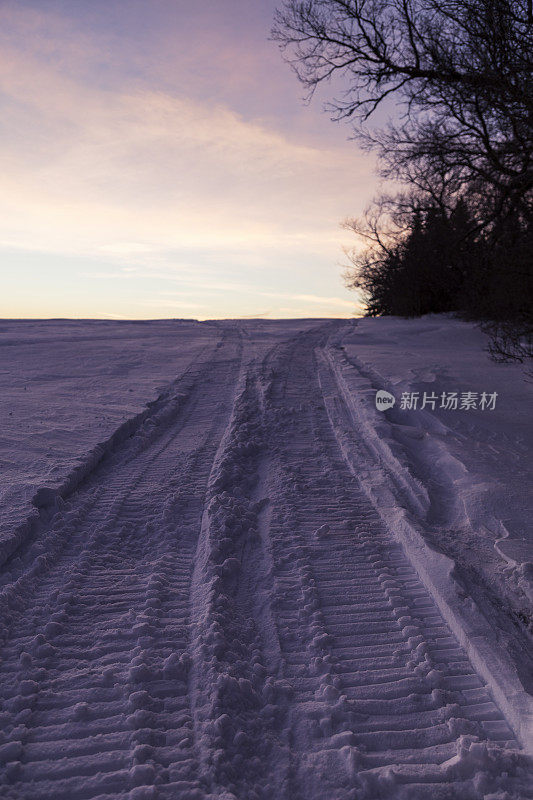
x: 472, y: 465
x: 238, y: 579
x: 66, y: 386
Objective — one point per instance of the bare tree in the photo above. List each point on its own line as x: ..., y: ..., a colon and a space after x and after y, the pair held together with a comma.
x: 461, y: 71
x: 457, y: 79
x: 510, y: 341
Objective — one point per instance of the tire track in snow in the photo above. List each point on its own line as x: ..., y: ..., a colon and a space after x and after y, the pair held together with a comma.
x: 496, y: 647
x: 386, y: 703
x: 17, y: 541
x: 94, y: 677
x: 44, y: 535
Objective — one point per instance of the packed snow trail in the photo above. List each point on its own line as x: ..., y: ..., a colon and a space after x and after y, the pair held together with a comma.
x: 219, y: 612
x: 95, y: 659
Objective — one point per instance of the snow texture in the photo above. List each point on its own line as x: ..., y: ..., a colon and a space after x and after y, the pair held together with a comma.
x: 226, y: 583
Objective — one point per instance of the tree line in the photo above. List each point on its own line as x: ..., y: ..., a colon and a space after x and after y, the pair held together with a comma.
x: 456, y: 78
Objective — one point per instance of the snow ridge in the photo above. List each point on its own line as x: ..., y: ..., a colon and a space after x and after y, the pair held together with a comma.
x: 233, y: 696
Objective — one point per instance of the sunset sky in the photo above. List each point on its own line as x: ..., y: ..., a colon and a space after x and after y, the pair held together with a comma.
x: 158, y: 161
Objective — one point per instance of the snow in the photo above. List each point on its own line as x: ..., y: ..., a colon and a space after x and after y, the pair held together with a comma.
x: 473, y: 469
x: 227, y: 575
x: 66, y: 386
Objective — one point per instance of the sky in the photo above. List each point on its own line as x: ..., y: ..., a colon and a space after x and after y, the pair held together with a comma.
x: 158, y: 161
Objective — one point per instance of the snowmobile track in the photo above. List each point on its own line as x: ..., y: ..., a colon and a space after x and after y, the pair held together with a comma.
x: 99, y: 634
x: 219, y: 612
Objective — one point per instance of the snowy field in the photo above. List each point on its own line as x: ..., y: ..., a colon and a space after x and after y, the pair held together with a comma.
x: 226, y: 574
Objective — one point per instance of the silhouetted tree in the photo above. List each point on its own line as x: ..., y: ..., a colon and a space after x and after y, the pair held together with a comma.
x: 459, y: 73
x: 461, y: 68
